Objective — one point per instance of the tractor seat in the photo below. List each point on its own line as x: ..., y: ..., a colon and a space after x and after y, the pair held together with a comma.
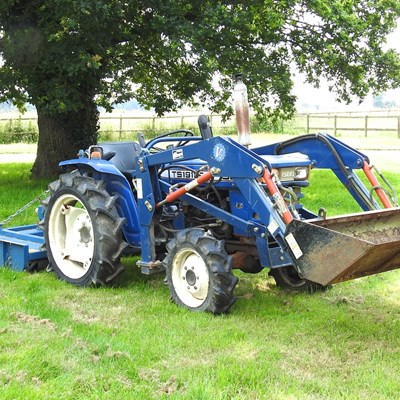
x: 122, y: 154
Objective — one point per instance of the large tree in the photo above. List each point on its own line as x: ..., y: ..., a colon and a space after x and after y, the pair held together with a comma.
x: 66, y: 57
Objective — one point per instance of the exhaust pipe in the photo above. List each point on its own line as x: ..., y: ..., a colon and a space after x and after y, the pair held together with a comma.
x: 242, y: 110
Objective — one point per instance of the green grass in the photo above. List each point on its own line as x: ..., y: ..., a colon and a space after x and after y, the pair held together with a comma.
x: 130, y: 342
x: 17, y: 189
x: 326, y: 191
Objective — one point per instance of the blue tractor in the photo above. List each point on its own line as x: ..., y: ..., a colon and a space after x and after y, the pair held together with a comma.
x: 199, y: 207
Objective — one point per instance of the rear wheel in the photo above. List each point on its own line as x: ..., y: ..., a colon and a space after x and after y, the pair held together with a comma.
x: 288, y: 278
x: 199, y: 272
x: 83, y: 231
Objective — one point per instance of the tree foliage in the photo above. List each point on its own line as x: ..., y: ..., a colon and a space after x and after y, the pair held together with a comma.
x: 62, y: 55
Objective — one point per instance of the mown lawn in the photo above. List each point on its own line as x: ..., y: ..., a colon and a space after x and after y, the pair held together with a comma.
x: 130, y: 342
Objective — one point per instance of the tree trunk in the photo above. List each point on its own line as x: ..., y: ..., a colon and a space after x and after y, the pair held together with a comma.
x: 61, y: 136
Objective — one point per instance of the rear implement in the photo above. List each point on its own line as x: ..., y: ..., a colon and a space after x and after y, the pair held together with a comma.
x: 21, y: 248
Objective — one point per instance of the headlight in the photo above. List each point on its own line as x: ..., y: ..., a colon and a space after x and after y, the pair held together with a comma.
x: 301, y: 173
x: 292, y: 174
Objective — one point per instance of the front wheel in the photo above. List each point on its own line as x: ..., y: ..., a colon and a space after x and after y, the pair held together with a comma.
x: 288, y: 278
x: 199, y: 272
x: 83, y: 231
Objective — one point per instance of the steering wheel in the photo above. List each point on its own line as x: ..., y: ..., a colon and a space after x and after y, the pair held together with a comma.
x: 186, y: 132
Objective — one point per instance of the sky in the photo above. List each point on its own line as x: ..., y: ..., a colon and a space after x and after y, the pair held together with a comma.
x: 321, y: 99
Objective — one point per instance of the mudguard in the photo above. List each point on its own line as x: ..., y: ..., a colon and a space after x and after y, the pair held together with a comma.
x: 116, y: 184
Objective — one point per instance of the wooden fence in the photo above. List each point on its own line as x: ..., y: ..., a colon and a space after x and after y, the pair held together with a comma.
x: 342, y: 123
x: 334, y: 123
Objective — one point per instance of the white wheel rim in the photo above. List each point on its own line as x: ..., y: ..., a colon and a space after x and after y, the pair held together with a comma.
x: 71, y: 238
x: 190, y: 277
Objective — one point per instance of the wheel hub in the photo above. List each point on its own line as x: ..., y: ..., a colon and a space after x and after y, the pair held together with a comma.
x: 190, y: 277
x: 85, y: 233
x: 71, y: 236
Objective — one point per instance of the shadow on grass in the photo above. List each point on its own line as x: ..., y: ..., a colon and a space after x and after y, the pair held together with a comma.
x: 133, y: 275
x: 374, y: 299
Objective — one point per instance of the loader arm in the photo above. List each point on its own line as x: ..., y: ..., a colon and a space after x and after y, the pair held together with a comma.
x: 327, y: 152
x: 225, y: 158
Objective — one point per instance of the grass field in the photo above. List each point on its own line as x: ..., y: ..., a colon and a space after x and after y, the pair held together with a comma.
x: 130, y: 342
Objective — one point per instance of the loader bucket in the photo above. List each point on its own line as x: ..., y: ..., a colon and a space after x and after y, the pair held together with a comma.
x: 347, y: 247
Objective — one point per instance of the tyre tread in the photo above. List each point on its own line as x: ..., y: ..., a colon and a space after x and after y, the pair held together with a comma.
x: 100, y: 204
x: 219, y: 263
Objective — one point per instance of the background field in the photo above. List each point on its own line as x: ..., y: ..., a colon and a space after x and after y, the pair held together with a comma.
x: 130, y: 342
x: 123, y: 125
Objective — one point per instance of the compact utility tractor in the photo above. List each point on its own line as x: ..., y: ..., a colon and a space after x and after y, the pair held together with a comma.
x: 198, y: 207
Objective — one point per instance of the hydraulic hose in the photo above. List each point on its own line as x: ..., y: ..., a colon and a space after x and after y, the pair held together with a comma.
x: 367, y: 201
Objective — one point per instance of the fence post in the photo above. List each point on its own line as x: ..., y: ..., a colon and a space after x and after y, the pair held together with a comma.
x: 334, y: 125
x: 182, y: 121
x: 308, y: 123
x: 153, y: 123
x: 366, y: 126
x: 120, y: 126
x: 398, y: 126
